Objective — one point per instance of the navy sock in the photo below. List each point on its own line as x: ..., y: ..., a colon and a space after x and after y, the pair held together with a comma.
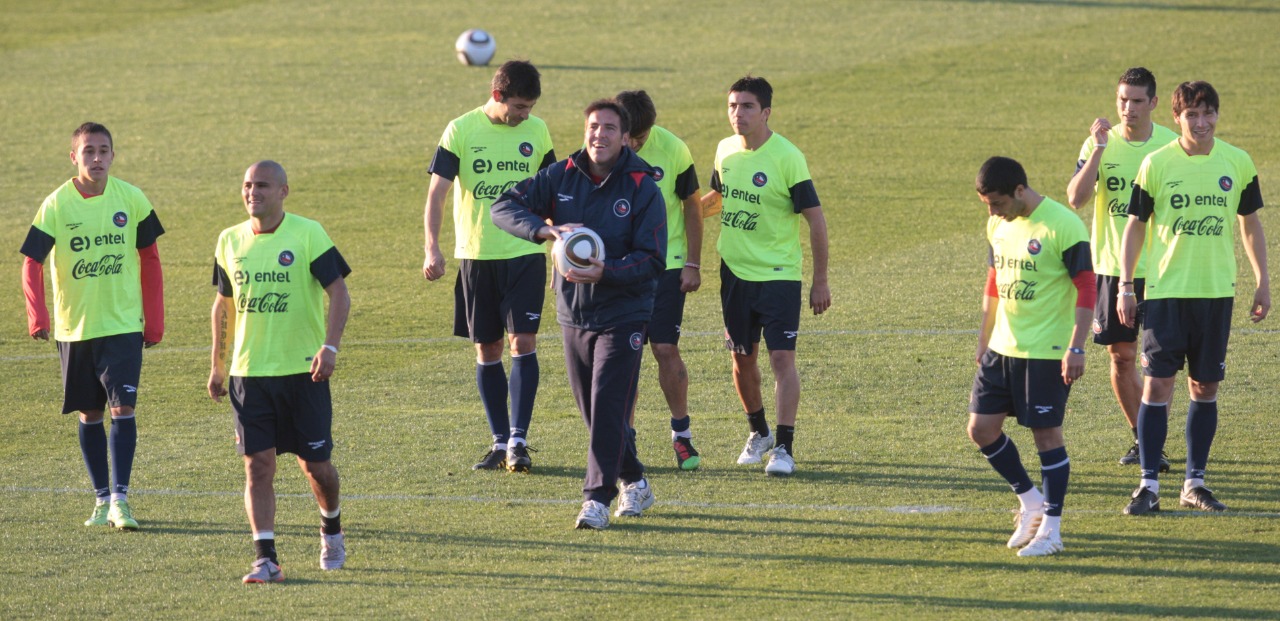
x: 93, y: 446
x: 492, y: 381
x: 266, y: 548
x: 523, y: 387
x: 1202, y: 424
x: 331, y: 525
x: 786, y: 436
x: 757, y: 422
x: 1003, y: 456
x: 1055, y: 470
x: 124, y: 442
x: 680, y: 424
x: 1153, y: 426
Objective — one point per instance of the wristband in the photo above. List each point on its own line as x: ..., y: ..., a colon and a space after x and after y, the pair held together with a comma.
x: 693, y: 265
x: 1127, y: 294
x: 1075, y: 350
x: 330, y: 348
x: 1099, y: 145
x: 1126, y: 282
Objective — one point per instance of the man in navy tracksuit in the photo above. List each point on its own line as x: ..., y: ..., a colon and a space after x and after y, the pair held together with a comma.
x: 603, y: 310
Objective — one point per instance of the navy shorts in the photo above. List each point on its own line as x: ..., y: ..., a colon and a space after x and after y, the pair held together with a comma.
x: 100, y: 373
x: 749, y: 307
x: 493, y: 296
x: 1107, y: 329
x: 289, y: 413
x: 668, y: 309
x: 1031, y: 390
x: 1187, y: 331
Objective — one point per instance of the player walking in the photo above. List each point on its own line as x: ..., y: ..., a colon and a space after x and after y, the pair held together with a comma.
x: 760, y: 184
x: 1184, y: 194
x: 1035, y: 316
x: 1108, y: 162
x: 678, y: 181
x: 268, y: 316
x: 501, y: 279
x: 108, y: 296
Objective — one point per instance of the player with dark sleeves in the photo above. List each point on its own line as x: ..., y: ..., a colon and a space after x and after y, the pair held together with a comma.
x: 676, y: 177
x: 1109, y: 160
x: 603, y: 311
x: 501, y: 280
x: 1036, y: 311
x: 1179, y: 214
x: 761, y: 187
x: 99, y: 236
x: 272, y: 273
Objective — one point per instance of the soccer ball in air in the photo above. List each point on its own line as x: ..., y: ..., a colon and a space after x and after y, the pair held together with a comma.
x: 574, y: 249
x: 475, y: 47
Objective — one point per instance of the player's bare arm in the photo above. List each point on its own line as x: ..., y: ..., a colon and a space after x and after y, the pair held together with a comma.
x: 1135, y: 234
x: 1072, y: 362
x: 1255, y: 247
x: 986, y: 324
x: 1081, y: 187
x: 326, y: 357
x: 690, y: 277
x: 433, y: 214
x: 712, y: 203
x: 820, y: 292
x: 223, y: 318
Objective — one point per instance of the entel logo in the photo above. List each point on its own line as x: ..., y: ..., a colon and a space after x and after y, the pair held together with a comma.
x: 286, y: 258
x: 120, y: 219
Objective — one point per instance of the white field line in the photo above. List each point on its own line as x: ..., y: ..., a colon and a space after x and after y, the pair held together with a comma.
x: 898, y: 509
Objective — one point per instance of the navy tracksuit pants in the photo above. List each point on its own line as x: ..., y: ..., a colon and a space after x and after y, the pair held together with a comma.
x: 604, y: 369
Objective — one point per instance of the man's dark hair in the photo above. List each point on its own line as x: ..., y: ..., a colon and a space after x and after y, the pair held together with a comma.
x: 624, y: 119
x: 1140, y: 76
x: 1192, y: 94
x: 640, y: 108
x: 91, y: 128
x: 1001, y: 175
x: 756, y: 86
x: 517, y: 78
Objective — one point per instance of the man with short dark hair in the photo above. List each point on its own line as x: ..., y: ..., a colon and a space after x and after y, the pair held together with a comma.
x: 272, y: 273
x: 759, y: 186
x: 501, y: 280
x: 108, y: 291
x: 1108, y: 162
x: 1035, y: 316
x: 603, y: 311
x: 673, y: 170
x: 1185, y: 193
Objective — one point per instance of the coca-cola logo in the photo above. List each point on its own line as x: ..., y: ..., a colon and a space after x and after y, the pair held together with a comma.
x: 286, y: 258
x: 759, y: 179
x: 743, y: 220
x: 1018, y: 290
x: 120, y: 219
x: 491, y: 191
x: 1207, y: 226
x: 267, y: 303
x: 108, y: 265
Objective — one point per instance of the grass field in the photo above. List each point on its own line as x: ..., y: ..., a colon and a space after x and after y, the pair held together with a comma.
x: 892, y: 513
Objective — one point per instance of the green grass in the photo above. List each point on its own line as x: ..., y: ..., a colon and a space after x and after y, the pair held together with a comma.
x: 892, y: 513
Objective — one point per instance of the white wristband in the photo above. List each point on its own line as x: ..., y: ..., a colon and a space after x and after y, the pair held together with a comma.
x: 1099, y: 145
x: 330, y: 348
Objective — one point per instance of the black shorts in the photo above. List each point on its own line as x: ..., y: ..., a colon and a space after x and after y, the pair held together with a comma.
x: 493, y: 296
x: 1107, y: 329
x: 289, y: 413
x: 1030, y: 389
x: 102, y: 372
x: 668, y: 309
x: 1190, y: 331
x: 749, y: 307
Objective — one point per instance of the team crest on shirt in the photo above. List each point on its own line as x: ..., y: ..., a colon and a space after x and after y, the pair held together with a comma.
x: 1034, y: 246
x: 1146, y: 362
x: 526, y: 149
x: 120, y: 219
x: 1225, y: 183
x: 1097, y: 327
x: 622, y: 208
x: 636, y: 341
x: 759, y: 179
x: 286, y: 258
x: 657, y: 173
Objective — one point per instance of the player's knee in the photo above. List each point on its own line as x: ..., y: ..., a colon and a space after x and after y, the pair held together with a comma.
x: 783, y: 361
x: 123, y: 411
x: 1122, y: 360
x: 981, y: 434
x: 90, y: 417
x: 666, y: 353
x: 489, y: 352
x: 522, y: 344
x: 1202, y: 391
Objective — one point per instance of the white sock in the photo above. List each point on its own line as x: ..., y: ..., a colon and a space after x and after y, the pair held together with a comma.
x: 266, y: 534
x: 335, y: 513
x: 1191, y: 484
x: 1050, y: 523
x: 681, y: 434
x: 1152, y: 485
x: 1031, y: 499
x: 516, y: 442
x: 117, y: 497
x: 499, y: 446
